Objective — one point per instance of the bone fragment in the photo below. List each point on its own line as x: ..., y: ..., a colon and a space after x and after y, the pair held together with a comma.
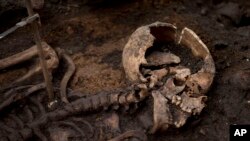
x: 192, y: 105
x: 69, y: 73
x: 18, y: 96
x: 161, y: 113
x: 162, y: 58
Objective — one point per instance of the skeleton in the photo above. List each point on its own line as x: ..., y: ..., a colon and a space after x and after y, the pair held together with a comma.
x: 177, y: 92
x: 98, y: 101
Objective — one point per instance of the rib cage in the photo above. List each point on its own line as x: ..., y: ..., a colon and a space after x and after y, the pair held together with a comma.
x: 35, y: 119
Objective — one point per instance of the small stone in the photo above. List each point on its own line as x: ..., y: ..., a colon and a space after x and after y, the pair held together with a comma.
x: 228, y: 64
x: 69, y: 30
x: 204, y: 11
x: 202, y: 132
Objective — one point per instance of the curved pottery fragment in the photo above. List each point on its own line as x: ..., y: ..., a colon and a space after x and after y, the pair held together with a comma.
x: 180, y: 84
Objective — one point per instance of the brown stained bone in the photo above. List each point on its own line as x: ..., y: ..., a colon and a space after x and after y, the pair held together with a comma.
x: 13, y: 90
x: 202, y: 80
x: 162, y: 58
x: 18, y: 58
x: 73, y: 126
x: 161, y: 113
x: 170, y: 90
x: 25, y: 55
x: 205, y: 75
x: 199, y: 49
x: 39, y: 105
x: 81, y: 105
x: 192, y: 105
x: 156, y: 76
x: 131, y: 134
x: 52, y: 63
x: 50, y: 55
x: 69, y: 73
x: 17, y: 4
x: 113, y: 122
x: 59, y: 135
x: 91, y: 129
x: 180, y: 73
x: 99, y: 101
x: 28, y: 113
x: 17, y: 96
x: 37, y: 4
x: 179, y: 117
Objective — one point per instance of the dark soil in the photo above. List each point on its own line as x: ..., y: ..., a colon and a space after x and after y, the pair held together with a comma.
x: 96, y: 32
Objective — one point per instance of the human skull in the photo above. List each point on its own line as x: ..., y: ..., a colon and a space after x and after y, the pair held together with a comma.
x: 181, y: 86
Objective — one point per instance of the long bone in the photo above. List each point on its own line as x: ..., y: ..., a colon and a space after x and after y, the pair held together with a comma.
x: 70, y: 71
x: 50, y: 55
x: 52, y: 63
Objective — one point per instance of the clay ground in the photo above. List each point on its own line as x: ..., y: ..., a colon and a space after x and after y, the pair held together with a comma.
x: 95, y: 34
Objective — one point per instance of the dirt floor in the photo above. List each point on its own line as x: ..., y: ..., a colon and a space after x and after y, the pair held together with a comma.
x: 95, y: 34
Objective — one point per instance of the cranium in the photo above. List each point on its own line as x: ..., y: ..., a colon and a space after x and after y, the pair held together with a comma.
x: 182, y: 88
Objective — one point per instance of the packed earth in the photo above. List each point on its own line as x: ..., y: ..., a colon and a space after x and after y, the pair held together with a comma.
x: 121, y: 70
